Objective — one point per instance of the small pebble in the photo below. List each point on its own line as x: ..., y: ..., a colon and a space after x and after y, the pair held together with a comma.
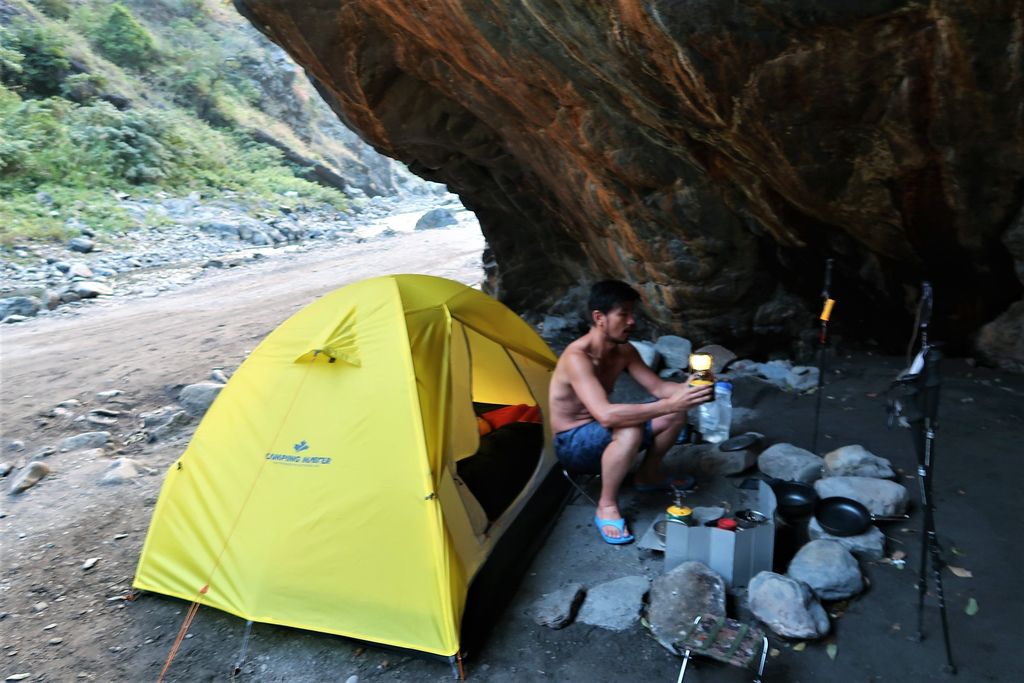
x: 90, y: 563
x: 39, y: 606
x: 49, y: 627
x: 56, y: 641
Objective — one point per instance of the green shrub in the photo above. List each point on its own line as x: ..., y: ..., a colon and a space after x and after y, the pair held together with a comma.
x: 82, y: 87
x: 42, y: 65
x: 55, y: 9
x: 10, y: 58
x: 123, y: 40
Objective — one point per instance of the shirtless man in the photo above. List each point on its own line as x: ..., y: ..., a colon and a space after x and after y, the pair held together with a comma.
x: 594, y: 435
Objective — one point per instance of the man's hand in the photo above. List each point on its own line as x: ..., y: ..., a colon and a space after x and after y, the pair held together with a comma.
x: 688, y: 397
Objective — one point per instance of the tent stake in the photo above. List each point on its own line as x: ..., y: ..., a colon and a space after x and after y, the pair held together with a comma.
x: 237, y: 668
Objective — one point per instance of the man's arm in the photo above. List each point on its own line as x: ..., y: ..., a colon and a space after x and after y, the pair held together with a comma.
x: 613, y: 415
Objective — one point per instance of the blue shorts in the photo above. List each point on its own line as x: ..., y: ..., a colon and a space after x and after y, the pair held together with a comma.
x: 579, y: 449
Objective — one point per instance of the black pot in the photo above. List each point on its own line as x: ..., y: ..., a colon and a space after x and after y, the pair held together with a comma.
x: 795, y: 499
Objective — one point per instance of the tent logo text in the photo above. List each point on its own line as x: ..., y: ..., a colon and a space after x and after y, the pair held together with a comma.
x: 298, y: 459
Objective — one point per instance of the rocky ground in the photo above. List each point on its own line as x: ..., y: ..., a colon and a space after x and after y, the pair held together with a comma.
x: 114, y: 367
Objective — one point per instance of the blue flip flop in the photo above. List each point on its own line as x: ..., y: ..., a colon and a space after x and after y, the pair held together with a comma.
x: 619, y: 524
x: 685, y: 483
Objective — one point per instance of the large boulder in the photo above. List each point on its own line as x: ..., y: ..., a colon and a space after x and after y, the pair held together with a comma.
x: 857, y: 461
x: 869, y: 545
x: 197, y: 398
x: 435, y: 218
x: 676, y: 598
x: 704, y: 151
x: 786, y: 606
x: 880, y: 496
x: 558, y: 608
x: 615, y: 605
x: 19, y: 305
x: 828, y: 569
x: 789, y: 462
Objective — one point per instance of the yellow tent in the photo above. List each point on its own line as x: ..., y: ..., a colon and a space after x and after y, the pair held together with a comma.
x: 322, y: 488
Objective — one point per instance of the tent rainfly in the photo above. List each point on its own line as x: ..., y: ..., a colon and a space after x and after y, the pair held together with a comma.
x: 339, y: 483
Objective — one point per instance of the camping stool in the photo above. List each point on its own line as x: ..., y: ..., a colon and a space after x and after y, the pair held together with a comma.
x: 726, y: 640
x: 584, y: 478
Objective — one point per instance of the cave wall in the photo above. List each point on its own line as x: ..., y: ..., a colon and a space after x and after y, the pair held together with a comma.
x: 711, y: 153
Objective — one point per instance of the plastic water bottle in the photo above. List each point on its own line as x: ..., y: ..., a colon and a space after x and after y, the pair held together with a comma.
x: 715, y: 426
x: 707, y: 420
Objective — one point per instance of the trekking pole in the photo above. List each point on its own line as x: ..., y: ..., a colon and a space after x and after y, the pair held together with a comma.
x: 928, y: 402
x: 826, y: 313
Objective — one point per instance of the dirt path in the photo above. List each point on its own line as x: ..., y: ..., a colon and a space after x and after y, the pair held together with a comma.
x: 145, y: 345
x: 58, y: 621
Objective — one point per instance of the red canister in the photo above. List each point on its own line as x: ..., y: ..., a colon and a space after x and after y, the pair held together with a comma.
x: 727, y: 524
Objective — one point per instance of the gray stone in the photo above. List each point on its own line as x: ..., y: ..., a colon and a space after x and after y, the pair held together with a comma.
x: 107, y: 395
x: 219, y: 375
x: 786, y: 606
x: 196, y: 399
x: 5, y: 468
x: 85, y: 440
x: 158, y: 417
x: 220, y: 228
x: 87, y: 289
x: 679, y: 596
x: 648, y: 354
x: 880, y: 496
x: 171, y: 426
x: 557, y: 609
x: 79, y: 270
x: 675, y: 351
x: 81, y: 244
x: 16, y: 446
x: 789, y: 462
x: 435, y: 218
x: 869, y: 545
x: 721, y: 463
x: 19, y: 305
x: 120, y: 471
x: 614, y: 605
x: 720, y: 356
x: 802, y: 378
x: 14, y: 319
x: 29, y: 477
x: 775, y: 371
x: 856, y: 461
x: 828, y: 568
x: 100, y: 420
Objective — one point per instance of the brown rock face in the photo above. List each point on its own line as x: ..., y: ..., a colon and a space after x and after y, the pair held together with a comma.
x: 713, y: 154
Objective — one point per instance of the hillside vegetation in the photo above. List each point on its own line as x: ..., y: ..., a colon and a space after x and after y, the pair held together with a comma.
x: 102, y: 99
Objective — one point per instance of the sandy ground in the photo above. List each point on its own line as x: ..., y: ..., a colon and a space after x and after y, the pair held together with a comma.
x: 62, y: 623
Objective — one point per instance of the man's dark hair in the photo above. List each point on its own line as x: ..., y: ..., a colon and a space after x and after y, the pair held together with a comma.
x: 607, y: 294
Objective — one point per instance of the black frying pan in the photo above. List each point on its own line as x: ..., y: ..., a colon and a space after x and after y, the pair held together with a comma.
x: 846, y: 517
